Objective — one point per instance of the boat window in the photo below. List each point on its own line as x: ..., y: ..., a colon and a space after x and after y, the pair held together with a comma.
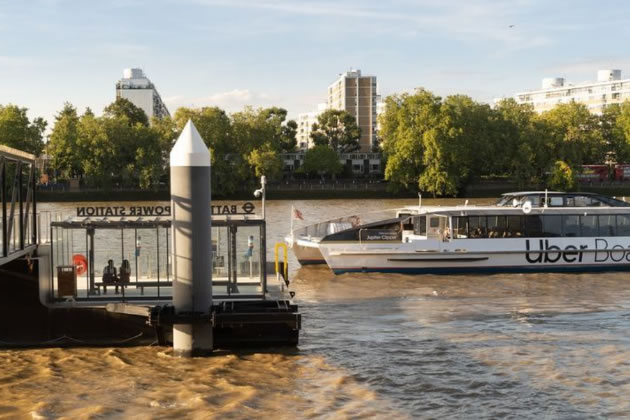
x: 556, y: 201
x: 571, y: 225
x: 533, y: 226
x: 515, y: 227
x: 534, y: 199
x: 607, y: 225
x: 477, y: 227
x: 420, y: 225
x: 460, y: 227
x: 435, y: 222
x: 623, y: 225
x: 407, y: 224
x: 589, y: 225
x: 496, y: 226
x: 552, y: 226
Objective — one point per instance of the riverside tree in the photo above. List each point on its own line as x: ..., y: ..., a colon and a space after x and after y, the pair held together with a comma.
x: 17, y: 131
x: 321, y: 160
x: 338, y: 130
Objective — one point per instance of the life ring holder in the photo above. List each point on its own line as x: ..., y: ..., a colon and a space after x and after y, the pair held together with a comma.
x: 80, y: 263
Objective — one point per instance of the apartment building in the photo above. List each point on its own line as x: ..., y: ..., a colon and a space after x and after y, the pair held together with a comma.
x: 139, y: 90
x: 609, y: 88
x: 357, y: 95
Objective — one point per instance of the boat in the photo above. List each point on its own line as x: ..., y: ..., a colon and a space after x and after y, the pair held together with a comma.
x: 304, y: 241
x: 469, y: 239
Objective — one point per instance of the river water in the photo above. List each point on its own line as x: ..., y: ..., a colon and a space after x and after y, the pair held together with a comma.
x: 372, y: 346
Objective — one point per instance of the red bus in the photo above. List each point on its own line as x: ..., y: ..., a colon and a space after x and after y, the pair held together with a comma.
x: 622, y: 172
x: 593, y: 173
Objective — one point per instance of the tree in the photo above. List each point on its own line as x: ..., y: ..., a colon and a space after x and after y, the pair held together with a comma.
x: 266, y: 161
x: 123, y: 107
x: 321, y: 160
x: 520, y: 149
x: 620, y: 132
x: 62, y: 145
x: 17, y: 131
x: 406, y: 120
x: 562, y: 177
x: 337, y: 129
x: 574, y: 134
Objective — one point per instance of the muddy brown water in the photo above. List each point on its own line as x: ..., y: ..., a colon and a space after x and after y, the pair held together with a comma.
x: 372, y: 346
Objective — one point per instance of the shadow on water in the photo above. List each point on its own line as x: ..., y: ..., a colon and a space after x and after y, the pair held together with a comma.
x: 499, y: 345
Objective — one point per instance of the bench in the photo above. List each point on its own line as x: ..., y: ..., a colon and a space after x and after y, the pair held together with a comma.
x: 104, y: 286
x: 142, y: 284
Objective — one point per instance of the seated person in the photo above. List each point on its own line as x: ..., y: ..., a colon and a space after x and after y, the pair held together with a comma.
x: 109, y: 273
x: 124, y: 271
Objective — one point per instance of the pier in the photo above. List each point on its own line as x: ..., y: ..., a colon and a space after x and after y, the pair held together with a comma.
x: 109, y: 280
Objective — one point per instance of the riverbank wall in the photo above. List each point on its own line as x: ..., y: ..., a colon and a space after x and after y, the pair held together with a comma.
x: 319, y: 192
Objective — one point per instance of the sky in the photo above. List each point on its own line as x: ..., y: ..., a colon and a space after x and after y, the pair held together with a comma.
x: 233, y: 53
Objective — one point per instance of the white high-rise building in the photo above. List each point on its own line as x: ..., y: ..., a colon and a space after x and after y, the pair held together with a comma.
x: 608, y: 89
x: 139, y: 90
x: 356, y: 94
x: 305, y: 123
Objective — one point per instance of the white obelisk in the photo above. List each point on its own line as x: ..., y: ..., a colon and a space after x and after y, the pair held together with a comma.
x: 192, y: 246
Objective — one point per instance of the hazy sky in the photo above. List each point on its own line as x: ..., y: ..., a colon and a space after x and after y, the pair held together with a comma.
x: 232, y: 53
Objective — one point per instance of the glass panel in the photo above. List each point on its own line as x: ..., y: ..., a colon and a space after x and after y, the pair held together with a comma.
x: 623, y: 225
x: 552, y: 225
x: 220, y: 261
x: 589, y: 225
x: 248, y: 254
x: 607, y: 225
x: 460, y: 227
x: 477, y: 227
x: 571, y: 225
x: 515, y: 226
x: 420, y: 223
x: 496, y: 226
x: 534, y: 226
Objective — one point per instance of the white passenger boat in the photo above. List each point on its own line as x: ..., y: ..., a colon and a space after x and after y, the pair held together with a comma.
x: 485, y: 239
x: 304, y: 241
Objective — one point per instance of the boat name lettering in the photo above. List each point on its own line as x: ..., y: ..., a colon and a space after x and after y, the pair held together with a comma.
x: 549, y: 253
x: 89, y: 211
x: 380, y: 236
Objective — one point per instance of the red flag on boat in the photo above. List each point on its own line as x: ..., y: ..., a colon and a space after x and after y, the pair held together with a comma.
x: 297, y: 215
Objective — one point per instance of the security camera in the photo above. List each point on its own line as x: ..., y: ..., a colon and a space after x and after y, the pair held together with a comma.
x: 257, y: 193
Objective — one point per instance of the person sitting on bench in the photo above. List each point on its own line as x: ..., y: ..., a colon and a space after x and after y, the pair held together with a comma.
x: 109, y: 276
x: 124, y: 271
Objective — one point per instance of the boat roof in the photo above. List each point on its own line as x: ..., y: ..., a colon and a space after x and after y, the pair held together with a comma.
x: 516, y: 211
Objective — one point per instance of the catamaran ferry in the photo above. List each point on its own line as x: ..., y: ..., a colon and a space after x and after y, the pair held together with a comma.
x: 485, y: 239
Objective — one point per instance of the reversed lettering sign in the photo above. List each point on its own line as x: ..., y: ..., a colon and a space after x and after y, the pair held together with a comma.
x: 144, y: 211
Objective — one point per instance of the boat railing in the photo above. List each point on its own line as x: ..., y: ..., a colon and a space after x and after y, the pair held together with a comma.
x: 327, y: 227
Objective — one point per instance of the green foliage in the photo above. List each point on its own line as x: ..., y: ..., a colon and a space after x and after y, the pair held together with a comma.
x: 574, y: 134
x: 321, y: 160
x: 337, y: 129
x: 17, y: 131
x: 266, y: 161
x: 562, y: 177
x: 62, y: 144
x: 122, y: 108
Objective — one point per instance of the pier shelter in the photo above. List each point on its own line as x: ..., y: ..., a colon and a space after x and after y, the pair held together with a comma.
x: 99, y: 259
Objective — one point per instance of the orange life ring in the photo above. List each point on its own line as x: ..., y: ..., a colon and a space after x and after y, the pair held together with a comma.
x: 80, y: 262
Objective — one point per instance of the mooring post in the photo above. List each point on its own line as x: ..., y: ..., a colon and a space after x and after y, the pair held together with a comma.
x: 192, y: 250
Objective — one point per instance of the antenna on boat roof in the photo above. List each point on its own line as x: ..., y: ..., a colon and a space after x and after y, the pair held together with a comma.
x: 419, y: 200
x: 466, y: 203
x: 545, y: 205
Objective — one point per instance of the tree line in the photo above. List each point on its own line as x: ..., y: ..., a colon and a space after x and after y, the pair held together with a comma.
x: 123, y: 149
x: 442, y: 145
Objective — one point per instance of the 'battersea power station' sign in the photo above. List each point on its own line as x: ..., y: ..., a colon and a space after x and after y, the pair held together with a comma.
x: 145, y: 211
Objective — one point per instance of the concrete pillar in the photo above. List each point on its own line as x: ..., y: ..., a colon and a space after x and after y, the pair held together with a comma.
x: 192, y: 247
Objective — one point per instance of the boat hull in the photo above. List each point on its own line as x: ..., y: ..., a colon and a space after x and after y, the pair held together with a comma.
x: 482, y: 256
x: 306, y: 252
